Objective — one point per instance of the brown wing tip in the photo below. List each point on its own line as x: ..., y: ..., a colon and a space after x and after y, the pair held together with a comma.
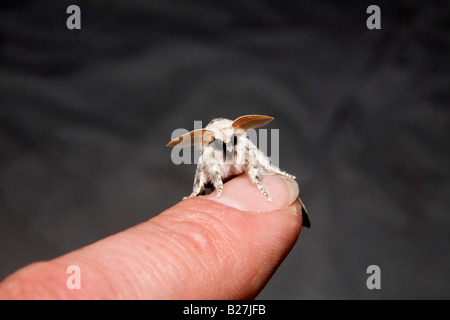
x: 174, y: 142
x: 251, y: 121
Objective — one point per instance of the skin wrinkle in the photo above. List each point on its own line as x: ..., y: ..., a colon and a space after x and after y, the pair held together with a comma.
x: 263, y: 269
x: 143, y: 263
x: 102, y: 265
x: 108, y: 262
x: 167, y: 229
x: 183, y: 261
x: 179, y: 248
x: 41, y: 280
x: 182, y: 241
x: 138, y: 265
x: 255, y: 282
x: 224, y: 254
x: 165, y: 266
x: 213, y: 214
x: 39, y: 285
x: 104, y: 271
x: 113, y: 265
x: 212, y: 242
x: 21, y: 283
x: 210, y: 216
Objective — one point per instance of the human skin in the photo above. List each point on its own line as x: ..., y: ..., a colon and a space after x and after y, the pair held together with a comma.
x: 201, y: 248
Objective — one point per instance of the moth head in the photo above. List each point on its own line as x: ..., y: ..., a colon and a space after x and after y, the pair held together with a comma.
x: 222, y: 129
x: 225, y: 129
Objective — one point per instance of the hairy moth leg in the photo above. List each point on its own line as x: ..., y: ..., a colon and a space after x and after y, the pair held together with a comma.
x: 217, y: 182
x: 284, y: 173
x: 268, y: 167
x: 256, y: 177
x: 199, y: 181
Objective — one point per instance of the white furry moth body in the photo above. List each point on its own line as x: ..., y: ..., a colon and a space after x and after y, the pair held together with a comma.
x: 226, y: 151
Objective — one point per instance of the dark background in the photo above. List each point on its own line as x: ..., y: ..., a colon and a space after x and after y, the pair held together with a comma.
x: 363, y: 118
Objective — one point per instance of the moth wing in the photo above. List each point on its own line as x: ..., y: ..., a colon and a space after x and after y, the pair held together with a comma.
x: 192, y: 138
x: 251, y: 122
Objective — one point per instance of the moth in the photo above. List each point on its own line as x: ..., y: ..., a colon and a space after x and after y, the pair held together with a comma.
x: 226, y: 151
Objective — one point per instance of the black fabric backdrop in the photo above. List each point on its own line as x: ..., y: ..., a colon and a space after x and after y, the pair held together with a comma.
x: 363, y: 118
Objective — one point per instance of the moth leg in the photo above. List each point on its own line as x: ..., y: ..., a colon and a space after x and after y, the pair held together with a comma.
x: 199, y: 182
x: 271, y: 168
x: 260, y: 160
x: 284, y: 173
x: 217, y: 182
x: 256, y: 178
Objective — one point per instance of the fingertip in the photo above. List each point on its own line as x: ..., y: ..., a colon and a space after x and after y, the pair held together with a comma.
x: 248, y: 244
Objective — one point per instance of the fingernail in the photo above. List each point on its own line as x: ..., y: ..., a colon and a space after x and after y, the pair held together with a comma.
x: 240, y: 193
